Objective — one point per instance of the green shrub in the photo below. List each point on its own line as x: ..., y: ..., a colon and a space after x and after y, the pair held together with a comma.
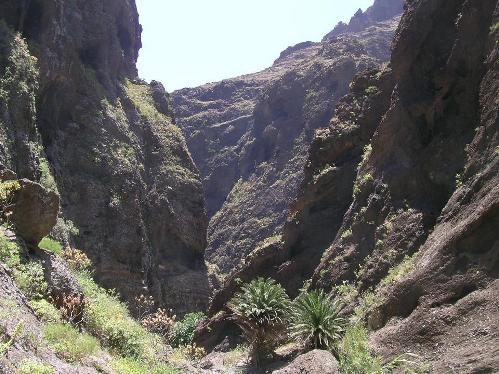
x: 372, y: 90
x: 51, y: 245
x: 77, y: 260
x: 45, y: 311
x: 182, y: 332
x: 47, y: 179
x: 133, y: 366
x: 18, y: 330
x: 7, y: 190
x: 109, y: 319
x: 31, y: 366
x: 30, y: 279
x: 70, y: 344
x: 355, y: 356
x: 361, y: 182
x: 316, y: 320
x: 9, y: 252
x: 261, y: 310
x: 399, y: 271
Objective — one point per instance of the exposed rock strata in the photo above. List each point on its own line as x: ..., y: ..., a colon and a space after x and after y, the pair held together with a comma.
x: 426, y: 187
x: 120, y: 164
x: 249, y: 135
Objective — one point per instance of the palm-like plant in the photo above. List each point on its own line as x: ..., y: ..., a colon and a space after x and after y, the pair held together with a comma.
x: 316, y: 320
x: 261, y: 309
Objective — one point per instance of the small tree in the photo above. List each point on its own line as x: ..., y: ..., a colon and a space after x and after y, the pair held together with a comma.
x: 260, y: 309
x: 316, y: 320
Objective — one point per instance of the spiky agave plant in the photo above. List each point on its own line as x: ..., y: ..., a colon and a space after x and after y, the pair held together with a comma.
x: 316, y: 320
x: 261, y: 309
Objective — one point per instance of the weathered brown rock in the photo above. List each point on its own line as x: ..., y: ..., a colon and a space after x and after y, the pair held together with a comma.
x: 313, y: 362
x: 35, y: 211
x: 380, y: 11
x: 6, y: 174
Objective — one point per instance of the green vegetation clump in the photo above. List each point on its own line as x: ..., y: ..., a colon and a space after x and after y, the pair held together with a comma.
x: 398, y: 272
x: 30, y: 366
x: 47, y: 180
x: 51, y: 245
x: 261, y: 310
x: 30, y: 279
x: 109, y: 319
x: 141, y: 96
x: 10, y: 251
x: 316, y: 320
x: 7, y: 190
x: 45, y: 311
x: 355, y: 356
x: 182, y: 332
x: 68, y: 343
x: 372, y: 90
x: 362, y: 181
x: 346, y: 234
x: 132, y: 366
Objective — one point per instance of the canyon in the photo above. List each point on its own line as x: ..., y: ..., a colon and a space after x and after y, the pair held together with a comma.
x: 365, y: 165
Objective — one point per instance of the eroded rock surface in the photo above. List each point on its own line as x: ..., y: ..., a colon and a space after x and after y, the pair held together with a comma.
x: 419, y: 170
x: 249, y: 135
x: 78, y: 119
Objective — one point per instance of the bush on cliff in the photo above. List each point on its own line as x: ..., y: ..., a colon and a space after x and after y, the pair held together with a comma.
x: 316, y: 320
x: 261, y: 310
x: 182, y: 332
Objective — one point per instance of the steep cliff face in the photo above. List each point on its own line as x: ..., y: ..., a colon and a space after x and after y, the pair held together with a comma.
x: 400, y: 196
x: 120, y: 164
x: 249, y: 135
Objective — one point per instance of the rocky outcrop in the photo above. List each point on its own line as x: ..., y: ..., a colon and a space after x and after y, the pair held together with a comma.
x: 415, y: 231
x: 249, y: 135
x: 119, y: 163
x: 313, y: 362
x: 16, y: 312
x: 381, y: 10
x: 34, y: 211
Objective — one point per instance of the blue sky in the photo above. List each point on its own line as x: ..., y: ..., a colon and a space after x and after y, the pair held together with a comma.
x: 187, y: 43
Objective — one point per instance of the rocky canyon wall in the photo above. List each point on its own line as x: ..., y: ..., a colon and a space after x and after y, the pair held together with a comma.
x: 249, y: 135
x: 397, y: 213
x: 76, y: 117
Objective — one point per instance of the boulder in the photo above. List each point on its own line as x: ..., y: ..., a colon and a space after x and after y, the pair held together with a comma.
x: 313, y: 362
x: 35, y: 211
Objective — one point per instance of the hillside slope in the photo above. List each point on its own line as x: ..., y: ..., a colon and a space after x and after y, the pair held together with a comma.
x: 249, y: 135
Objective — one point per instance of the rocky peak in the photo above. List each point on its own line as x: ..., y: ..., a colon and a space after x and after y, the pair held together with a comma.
x: 381, y: 10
